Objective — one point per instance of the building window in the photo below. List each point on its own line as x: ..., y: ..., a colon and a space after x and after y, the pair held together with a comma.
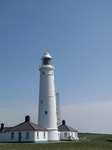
x: 27, y: 135
x: 37, y: 135
x: 43, y: 72
x: 12, y: 135
x: 46, y: 112
x: 44, y: 135
x: 65, y: 134
x: 41, y: 101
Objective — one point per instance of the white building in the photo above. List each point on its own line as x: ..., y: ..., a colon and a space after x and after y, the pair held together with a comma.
x: 30, y: 132
x: 47, y: 99
x: 24, y: 132
x: 67, y: 133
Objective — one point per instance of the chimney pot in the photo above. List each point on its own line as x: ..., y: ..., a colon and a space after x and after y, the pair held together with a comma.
x: 2, y: 126
x: 63, y: 122
x: 27, y: 118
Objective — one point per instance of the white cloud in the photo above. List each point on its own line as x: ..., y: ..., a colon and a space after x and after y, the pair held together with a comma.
x: 89, y: 117
x: 85, y: 117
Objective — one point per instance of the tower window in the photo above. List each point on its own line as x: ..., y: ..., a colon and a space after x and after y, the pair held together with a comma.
x: 41, y: 101
x: 46, y: 112
x: 43, y: 72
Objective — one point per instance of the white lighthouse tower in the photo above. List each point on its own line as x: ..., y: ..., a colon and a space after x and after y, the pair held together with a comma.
x: 47, y: 99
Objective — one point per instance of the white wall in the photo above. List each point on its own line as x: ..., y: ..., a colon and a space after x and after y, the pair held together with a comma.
x: 41, y: 137
x: 68, y: 133
x: 62, y: 135
x: 6, y: 136
x: 2, y: 137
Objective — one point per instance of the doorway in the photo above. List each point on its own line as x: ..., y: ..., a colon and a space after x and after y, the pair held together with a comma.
x: 19, y: 137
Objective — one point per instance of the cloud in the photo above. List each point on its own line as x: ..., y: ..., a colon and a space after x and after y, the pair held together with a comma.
x: 93, y: 117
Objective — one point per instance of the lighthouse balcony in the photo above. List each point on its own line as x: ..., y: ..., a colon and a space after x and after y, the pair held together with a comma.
x: 46, y: 66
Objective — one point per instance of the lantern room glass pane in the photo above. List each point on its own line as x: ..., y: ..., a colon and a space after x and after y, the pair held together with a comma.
x: 47, y: 61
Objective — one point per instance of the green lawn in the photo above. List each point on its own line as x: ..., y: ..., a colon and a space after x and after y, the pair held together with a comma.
x: 87, y: 145
x: 93, y: 142
x: 95, y: 137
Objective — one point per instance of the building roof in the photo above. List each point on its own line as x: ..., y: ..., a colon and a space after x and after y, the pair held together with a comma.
x: 6, y: 128
x: 25, y: 126
x: 65, y: 127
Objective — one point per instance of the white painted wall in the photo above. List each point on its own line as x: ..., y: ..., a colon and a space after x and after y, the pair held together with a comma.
x: 47, y: 100
x: 6, y: 136
x: 68, y: 133
x: 42, y: 136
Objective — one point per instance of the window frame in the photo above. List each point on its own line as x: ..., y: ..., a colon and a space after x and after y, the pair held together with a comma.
x: 65, y: 134
x: 27, y: 135
x: 44, y: 134
x: 37, y: 135
x: 12, y: 135
x: 46, y: 112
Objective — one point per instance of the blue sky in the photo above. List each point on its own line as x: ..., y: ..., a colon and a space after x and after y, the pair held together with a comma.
x: 78, y: 35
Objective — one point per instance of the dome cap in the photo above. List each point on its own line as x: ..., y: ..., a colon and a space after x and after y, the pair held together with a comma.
x: 46, y: 55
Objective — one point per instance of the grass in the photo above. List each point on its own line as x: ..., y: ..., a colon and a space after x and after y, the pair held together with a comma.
x: 93, y: 142
x: 87, y: 145
x: 95, y: 137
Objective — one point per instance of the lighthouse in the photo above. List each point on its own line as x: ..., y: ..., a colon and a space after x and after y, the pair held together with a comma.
x: 47, y: 116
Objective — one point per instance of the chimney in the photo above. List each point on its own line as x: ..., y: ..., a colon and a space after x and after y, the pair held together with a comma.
x: 2, y: 127
x: 27, y: 118
x: 63, y: 122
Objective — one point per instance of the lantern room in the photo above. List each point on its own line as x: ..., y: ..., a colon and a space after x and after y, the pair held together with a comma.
x: 46, y: 59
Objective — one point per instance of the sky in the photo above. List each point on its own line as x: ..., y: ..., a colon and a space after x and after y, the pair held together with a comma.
x: 78, y: 35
